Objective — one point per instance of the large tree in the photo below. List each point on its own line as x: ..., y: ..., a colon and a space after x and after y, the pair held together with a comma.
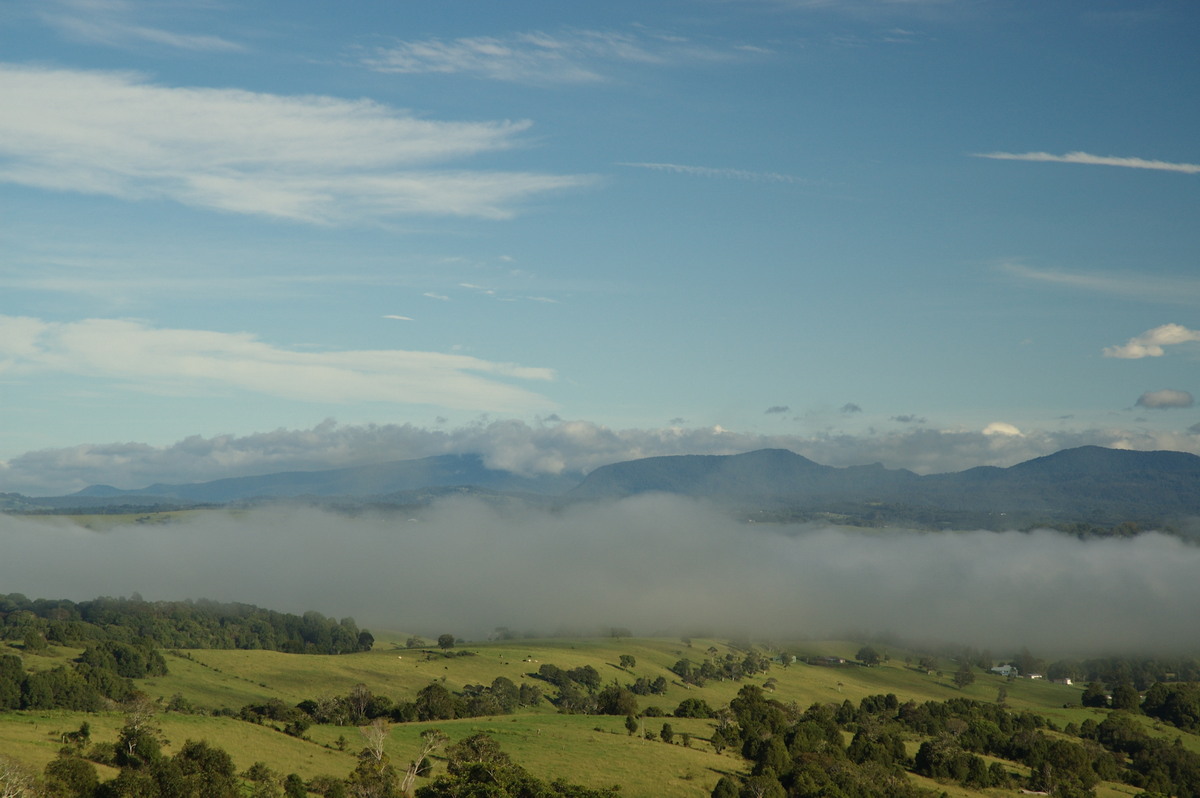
x: 868, y: 656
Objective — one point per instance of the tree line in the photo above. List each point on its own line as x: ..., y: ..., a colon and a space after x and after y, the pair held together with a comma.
x: 795, y: 752
x: 176, y: 624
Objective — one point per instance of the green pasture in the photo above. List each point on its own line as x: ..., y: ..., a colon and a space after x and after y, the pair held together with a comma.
x: 596, y: 751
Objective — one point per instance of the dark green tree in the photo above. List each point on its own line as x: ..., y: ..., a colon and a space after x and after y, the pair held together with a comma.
x: 506, y: 693
x: 71, y: 777
x: 264, y: 782
x: 206, y: 770
x: 693, y: 708
x: 530, y: 695
x: 435, y: 702
x: 616, y: 700
x: 1125, y: 697
x: 33, y: 642
x: 1094, y: 695
x: 446, y: 641
x: 131, y: 783
x: 1027, y: 663
x: 12, y: 674
x: 373, y: 777
x: 586, y: 675
x: 138, y: 744
x: 293, y: 786
x: 726, y: 788
x: 868, y: 656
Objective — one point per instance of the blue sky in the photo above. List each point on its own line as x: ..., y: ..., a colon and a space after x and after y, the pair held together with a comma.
x: 241, y: 237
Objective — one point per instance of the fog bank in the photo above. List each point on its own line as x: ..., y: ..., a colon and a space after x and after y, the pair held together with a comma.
x: 649, y: 564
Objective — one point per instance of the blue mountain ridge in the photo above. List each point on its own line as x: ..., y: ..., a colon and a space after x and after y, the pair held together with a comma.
x: 1086, y: 484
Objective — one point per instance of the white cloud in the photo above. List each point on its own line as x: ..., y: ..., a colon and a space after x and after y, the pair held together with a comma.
x: 1001, y: 428
x: 1165, y: 399
x: 1175, y: 290
x: 1094, y: 160
x: 576, y: 56
x: 398, y: 318
x: 708, y: 171
x: 1151, y: 342
x: 147, y: 358
x: 313, y: 159
x: 111, y: 23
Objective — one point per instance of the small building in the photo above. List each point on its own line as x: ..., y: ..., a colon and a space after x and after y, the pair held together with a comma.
x: 828, y: 662
x: 1005, y: 670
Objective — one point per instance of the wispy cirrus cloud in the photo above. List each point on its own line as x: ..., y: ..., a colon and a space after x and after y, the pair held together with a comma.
x: 572, y: 56
x: 708, y: 171
x: 1151, y: 342
x: 314, y: 159
x: 1093, y: 160
x: 123, y: 284
x: 114, y: 23
x: 145, y: 358
x: 1157, y: 288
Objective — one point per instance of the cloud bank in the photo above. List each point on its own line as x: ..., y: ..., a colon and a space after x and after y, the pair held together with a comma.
x: 148, y: 358
x: 655, y: 565
x: 551, y: 446
x: 313, y: 159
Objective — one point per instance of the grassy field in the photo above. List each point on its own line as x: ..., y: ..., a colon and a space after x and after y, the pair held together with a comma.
x: 593, y: 750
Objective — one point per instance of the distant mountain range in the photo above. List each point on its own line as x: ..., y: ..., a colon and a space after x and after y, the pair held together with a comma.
x: 398, y: 482
x: 1087, y: 485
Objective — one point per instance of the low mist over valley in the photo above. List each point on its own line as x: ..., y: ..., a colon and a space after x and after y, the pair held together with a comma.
x: 649, y: 564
